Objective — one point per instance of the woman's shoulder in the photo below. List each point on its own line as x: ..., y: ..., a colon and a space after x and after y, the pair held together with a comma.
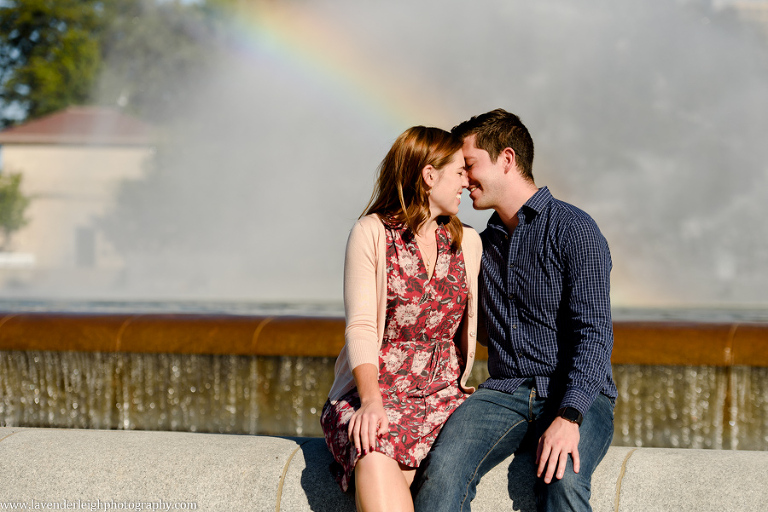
x: 367, y: 230
x: 470, y: 236
x: 371, y: 222
x: 469, y: 229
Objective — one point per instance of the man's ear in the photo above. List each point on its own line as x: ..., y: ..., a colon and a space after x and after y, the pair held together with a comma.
x: 508, y: 155
x: 428, y: 173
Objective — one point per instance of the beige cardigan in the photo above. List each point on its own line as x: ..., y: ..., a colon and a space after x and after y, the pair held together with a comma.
x: 365, y: 301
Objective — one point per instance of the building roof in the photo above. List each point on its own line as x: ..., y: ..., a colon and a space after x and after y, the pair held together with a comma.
x: 81, y: 126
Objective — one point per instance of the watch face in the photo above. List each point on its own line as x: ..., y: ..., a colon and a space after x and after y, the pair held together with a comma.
x: 571, y: 414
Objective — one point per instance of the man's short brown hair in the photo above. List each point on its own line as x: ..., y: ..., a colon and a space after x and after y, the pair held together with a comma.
x: 496, y: 130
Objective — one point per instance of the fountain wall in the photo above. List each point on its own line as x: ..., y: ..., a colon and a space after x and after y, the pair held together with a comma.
x: 681, y: 384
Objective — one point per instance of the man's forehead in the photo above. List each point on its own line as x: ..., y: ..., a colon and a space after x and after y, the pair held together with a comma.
x: 470, y: 149
x: 469, y: 142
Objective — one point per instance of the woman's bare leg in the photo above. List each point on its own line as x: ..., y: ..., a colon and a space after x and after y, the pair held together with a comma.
x: 383, y: 484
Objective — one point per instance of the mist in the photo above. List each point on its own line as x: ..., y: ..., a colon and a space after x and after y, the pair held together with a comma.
x: 650, y: 116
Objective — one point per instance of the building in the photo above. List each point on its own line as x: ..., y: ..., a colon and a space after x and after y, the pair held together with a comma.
x: 72, y: 163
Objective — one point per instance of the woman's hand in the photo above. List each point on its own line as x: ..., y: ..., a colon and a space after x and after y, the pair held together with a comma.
x: 370, y: 420
x: 367, y: 423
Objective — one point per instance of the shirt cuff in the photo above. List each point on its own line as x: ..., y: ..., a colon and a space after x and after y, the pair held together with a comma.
x: 577, y: 399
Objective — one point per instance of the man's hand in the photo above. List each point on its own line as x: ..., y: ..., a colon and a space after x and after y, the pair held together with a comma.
x: 560, y: 439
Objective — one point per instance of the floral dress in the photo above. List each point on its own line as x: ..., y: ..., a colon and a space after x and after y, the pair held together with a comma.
x: 419, y: 362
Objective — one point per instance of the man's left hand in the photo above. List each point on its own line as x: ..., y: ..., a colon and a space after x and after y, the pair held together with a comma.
x: 559, y: 440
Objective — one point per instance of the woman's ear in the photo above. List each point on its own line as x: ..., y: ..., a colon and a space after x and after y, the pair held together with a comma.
x: 428, y: 173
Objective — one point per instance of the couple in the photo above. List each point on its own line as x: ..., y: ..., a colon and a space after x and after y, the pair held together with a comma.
x: 412, y: 278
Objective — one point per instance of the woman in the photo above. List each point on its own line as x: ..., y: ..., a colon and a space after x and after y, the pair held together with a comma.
x: 410, y: 283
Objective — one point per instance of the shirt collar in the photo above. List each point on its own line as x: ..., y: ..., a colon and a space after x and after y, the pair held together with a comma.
x: 539, y: 200
x: 535, y: 204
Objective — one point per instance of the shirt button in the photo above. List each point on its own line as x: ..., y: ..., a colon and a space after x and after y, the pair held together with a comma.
x: 472, y: 333
x: 514, y: 326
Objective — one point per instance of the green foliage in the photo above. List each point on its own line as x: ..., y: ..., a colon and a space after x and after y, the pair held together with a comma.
x: 13, y: 205
x: 49, y: 54
x: 137, y: 54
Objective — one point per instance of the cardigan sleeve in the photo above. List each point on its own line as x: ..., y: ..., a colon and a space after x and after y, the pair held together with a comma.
x: 360, y: 296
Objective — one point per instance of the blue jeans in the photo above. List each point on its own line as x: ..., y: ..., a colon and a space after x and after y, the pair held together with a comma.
x: 491, y: 425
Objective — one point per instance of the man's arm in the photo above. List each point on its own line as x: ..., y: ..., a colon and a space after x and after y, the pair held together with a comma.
x: 586, y: 294
x: 587, y: 297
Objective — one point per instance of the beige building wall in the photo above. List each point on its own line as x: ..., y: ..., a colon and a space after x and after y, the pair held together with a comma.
x: 70, y: 187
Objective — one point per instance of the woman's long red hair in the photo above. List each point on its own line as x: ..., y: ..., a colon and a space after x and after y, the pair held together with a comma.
x: 400, y: 194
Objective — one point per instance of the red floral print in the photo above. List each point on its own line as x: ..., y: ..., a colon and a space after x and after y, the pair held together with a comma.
x: 419, y: 362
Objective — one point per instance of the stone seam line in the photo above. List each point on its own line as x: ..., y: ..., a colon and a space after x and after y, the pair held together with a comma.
x: 729, y: 356
x: 8, y: 317
x: 9, y: 435
x: 257, y: 332
x: 621, y: 478
x: 282, y: 476
x: 123, y: 328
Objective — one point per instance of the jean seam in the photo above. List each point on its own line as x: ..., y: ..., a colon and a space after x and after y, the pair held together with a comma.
x: 531, y: 398
x: 474, y: 475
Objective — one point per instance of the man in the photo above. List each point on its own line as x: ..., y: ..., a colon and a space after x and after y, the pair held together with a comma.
x: 544, y: 296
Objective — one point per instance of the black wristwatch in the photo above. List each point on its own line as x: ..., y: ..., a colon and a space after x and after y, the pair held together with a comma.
x: 571, y: 414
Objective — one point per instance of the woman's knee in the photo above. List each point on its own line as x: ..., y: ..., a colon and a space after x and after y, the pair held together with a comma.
x: 376, y: 462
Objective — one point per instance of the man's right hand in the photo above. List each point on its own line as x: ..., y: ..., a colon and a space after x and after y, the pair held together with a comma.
x: 558, y: 441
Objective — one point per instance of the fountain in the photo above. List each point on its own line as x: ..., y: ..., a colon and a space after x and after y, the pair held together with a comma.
x: 647, y: 115
x: 681, y: 384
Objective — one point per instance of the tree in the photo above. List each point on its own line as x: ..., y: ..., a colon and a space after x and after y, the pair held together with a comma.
x: 49, y: 55
x: 133, y: 53
x: 13, y: 205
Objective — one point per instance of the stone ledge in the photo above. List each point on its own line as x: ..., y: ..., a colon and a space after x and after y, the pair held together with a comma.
x: 647, y: 343
x: 229, y: 472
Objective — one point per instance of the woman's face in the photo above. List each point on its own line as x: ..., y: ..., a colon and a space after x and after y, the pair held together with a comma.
x: 447, y: 186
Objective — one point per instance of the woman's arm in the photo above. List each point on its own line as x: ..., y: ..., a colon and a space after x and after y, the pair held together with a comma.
x: 361, y: 296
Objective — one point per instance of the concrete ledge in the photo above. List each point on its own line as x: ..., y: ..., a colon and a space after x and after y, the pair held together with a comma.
x: 226, y: 473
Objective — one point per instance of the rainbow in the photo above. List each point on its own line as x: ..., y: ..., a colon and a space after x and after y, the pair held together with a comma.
x: 300, y: 41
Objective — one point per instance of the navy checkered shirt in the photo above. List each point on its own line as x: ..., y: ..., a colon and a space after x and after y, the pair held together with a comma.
x: 544, y: 292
